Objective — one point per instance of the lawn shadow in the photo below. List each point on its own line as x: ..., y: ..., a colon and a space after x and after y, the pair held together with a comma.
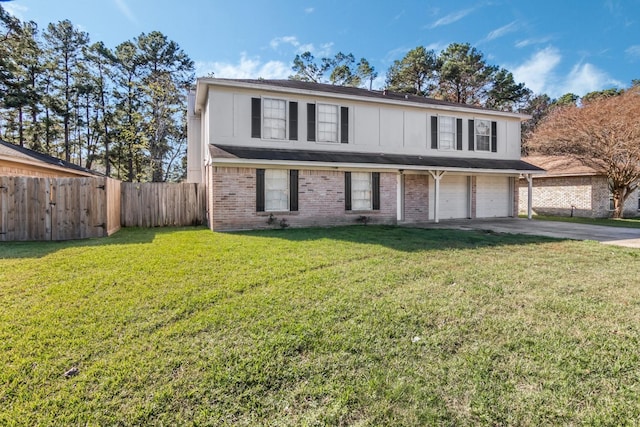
x: 125, y: 236
x: 403, y: 238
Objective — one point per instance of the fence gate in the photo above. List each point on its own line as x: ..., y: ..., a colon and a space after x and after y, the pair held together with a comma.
x: 52, y: 208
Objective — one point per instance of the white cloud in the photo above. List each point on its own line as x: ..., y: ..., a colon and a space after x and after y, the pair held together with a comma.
x: 585, y: 78
x: 17, y: 10
x: 633, y: 52
x: 292, y: 40
x: 309, y: 10
x: 321, y: 51
x: 451, y: 18
x: 245, y: 68
x: 126, y: 11
x: 502, y: 31
x: 529, y: 42
x: 537, y: 72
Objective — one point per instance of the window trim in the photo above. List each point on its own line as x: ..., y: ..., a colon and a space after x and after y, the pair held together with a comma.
x: 454, y: 133
x: 258, y: 118
x: 337, y: 123
x: 264, y: 118
x: 476, y: 121
x: 374, y: 192
x: 292, y: 190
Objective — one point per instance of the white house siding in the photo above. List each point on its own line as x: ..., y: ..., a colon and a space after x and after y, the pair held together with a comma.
x: 373, y: 128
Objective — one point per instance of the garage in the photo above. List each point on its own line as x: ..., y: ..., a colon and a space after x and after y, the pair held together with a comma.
x: 493, y: 196
x: 454, y: 197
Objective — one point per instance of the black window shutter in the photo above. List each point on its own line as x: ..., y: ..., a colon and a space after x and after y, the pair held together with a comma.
x: 256, y: 124
x: 344, y: 125
x: 347, y: 191
x: 494, y: 137
x: 311, y: 122
x: 293, y: 190
x: 458, y: 134
x: 472, y: 130
x: 434, y: 132
x: 375, y: 190
x: 260, y: 190
x: 293, y: 121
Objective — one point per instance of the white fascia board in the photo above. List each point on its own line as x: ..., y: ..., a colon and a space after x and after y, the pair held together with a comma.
x: 226, y: 162
x: 203, y: 84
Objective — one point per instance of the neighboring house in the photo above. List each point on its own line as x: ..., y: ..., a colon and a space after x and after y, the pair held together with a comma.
x: 569, y: 188
x: 318, y: 155
x: 20, y: 161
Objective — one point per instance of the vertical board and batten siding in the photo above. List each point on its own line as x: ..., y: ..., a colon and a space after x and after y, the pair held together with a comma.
x: 55, y: 208
x: 162, y: 204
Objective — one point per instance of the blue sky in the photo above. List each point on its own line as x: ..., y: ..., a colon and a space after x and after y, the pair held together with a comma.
x: 553, y: 46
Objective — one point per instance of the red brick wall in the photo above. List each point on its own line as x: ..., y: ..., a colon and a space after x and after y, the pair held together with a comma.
x: 556, y: 195
x: 320, y: 200
x: 416, y: 198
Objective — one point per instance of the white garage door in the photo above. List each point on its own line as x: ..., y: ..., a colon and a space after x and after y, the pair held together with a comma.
x: 454, y: 197
x: 492, y: 196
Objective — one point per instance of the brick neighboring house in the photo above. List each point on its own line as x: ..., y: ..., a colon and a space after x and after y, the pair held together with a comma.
x: 320, y: 155
x: 571, y: 188
x: 21, y: 161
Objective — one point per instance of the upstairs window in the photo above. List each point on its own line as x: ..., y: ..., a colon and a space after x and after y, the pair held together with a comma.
x: 269, y: 119
x: 327, y: 123
x: 483, y: 135
x: 446, y: 133
x: 274, y: 118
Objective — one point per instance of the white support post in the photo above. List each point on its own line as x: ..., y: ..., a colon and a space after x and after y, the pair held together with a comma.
x: 400, y: 196
x: 437, y: 176
x: 529, y: 195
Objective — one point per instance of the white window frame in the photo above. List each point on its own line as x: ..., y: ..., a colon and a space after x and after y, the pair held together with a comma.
x: 476, y: 122
x: 320, y: 124
x: 267, y: 131
x: 361, y: 195
x: 452, y: 132
x: 276, y: 195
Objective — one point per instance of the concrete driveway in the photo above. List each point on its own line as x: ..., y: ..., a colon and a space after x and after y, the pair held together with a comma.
x: 629, y: 237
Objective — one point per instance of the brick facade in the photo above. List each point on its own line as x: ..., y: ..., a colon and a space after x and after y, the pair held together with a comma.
x: 416, y: 198
x: 587, y: 194
x: 320, y: 200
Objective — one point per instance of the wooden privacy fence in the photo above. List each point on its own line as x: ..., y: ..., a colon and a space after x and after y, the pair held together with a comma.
x: 162, y: 204
x: 79, y: 208
x: 58, y: 208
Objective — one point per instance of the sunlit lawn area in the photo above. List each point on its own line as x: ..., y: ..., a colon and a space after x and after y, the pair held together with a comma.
x: 366, y: 326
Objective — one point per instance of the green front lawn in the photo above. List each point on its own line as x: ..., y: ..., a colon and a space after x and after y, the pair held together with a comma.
x: 364, y: 326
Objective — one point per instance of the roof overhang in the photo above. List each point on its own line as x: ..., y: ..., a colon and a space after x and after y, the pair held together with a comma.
x: 41, y: 166
x: 222, y: 155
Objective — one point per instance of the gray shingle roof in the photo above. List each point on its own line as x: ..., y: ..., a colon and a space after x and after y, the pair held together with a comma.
x: 226, y: 151
x: 9, y: 149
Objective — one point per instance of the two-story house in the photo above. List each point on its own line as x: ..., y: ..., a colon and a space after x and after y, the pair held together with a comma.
x: 318, y: 155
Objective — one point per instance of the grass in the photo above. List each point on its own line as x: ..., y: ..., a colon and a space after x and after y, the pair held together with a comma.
x: 611, y: 222
x: 363, y: 326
